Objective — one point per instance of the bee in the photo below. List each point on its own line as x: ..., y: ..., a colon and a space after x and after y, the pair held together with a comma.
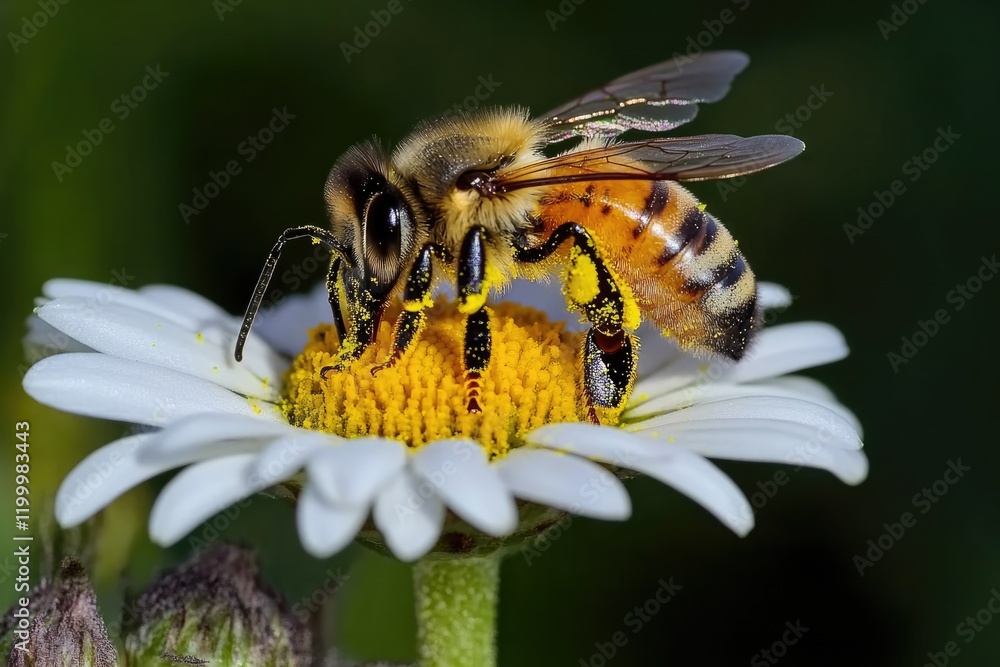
x: 491, y: 195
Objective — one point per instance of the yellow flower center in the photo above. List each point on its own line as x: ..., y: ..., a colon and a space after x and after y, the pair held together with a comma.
x: 532, y: 380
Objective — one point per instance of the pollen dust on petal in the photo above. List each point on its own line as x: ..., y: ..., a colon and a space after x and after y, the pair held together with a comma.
x: 532, y: 380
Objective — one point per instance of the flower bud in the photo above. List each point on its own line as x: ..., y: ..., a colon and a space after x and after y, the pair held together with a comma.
x: 215, y: 610
x: 58, y: 625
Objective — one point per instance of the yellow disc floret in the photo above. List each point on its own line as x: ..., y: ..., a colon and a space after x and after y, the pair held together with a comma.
x: 532, y: 380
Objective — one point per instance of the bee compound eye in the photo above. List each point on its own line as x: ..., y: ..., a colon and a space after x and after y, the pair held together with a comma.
x: 388, y: 230
x: 384, y: 220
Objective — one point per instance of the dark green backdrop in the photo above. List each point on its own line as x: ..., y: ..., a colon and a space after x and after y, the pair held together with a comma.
x: 886, y: 91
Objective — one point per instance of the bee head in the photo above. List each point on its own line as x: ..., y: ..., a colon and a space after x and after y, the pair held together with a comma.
x: 371, y: 215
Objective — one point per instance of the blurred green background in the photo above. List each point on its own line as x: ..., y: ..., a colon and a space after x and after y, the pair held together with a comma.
x: 888, y: 89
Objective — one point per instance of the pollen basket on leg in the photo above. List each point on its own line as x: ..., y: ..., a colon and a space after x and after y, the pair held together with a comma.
x: 532, y: 380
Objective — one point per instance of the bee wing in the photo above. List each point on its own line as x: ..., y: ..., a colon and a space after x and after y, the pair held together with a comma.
x: 699, y: 158
x: 655, y: 99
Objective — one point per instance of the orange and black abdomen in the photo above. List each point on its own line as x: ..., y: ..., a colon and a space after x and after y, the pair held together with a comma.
x: 683, y: 266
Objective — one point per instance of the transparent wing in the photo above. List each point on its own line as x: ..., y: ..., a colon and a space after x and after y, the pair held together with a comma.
x: 655, y: 99
x: 699, y: 158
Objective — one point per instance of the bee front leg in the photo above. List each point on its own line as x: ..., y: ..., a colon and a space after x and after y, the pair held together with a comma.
x: 333, y: 290
x: 416, y: 298
x: 609, y: 358
x: 365, y: 310
x: 472, y: 293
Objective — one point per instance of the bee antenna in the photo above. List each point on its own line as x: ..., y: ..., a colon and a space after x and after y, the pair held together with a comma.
x: 306, y: 231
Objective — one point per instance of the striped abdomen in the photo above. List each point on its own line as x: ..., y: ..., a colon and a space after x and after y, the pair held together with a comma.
x: 683, y: 266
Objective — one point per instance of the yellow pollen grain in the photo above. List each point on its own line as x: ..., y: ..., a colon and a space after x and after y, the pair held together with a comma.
x: 198, y: 337
x: 581, y: 284
x: 532, y: 380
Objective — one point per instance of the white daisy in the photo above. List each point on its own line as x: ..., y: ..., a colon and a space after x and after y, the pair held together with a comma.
x: 408, y: 458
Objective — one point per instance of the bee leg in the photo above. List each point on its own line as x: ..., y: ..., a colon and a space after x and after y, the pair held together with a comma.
x: 317, y: 234
x: 590, y: 286
x: 472, y: 293
x: 416, y: 298
x: 609, y: 351
x: 478, y: 345
x: 365, y: 310
x: 333, y: 289
x: 609, y: 369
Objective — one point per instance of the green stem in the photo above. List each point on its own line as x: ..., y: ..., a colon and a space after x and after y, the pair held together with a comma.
x: 457, y: 611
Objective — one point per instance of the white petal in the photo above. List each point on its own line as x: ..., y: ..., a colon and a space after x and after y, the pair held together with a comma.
x: 137, y: 335
x: 101, y: 295
x: 97, y: 385
x: 284, y: 457
x: 685, y: 471
x: 323, y: 528
x: 410, y: 516
x: 353, y: 471
x: 600, y: 443
x: 687, y: 397
x: 704, y: 483
x: 257, y: 355
x: 467, y: 483
x: 565, y: 482
x: 788, y: 348
x: 815, y: 391
x: 198, y: 493
x: 185, y: 301
x: 44, y: 340
x: 103, y: 476
x: 825, y: 424
x: 764, y: 440
x: 808, y: 387
x: 286, y: 326
x: 773, y: 295
x: 212, y: 434
x: 681, y: 372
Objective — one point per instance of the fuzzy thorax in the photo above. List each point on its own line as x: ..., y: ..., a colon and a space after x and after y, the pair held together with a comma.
x: 532, y: 380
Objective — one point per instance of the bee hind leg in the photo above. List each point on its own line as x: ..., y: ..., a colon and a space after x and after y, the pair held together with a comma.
x: 609, y: 354
x: 609, y: 370
x: 472, y: 293
x: 416, y: 299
